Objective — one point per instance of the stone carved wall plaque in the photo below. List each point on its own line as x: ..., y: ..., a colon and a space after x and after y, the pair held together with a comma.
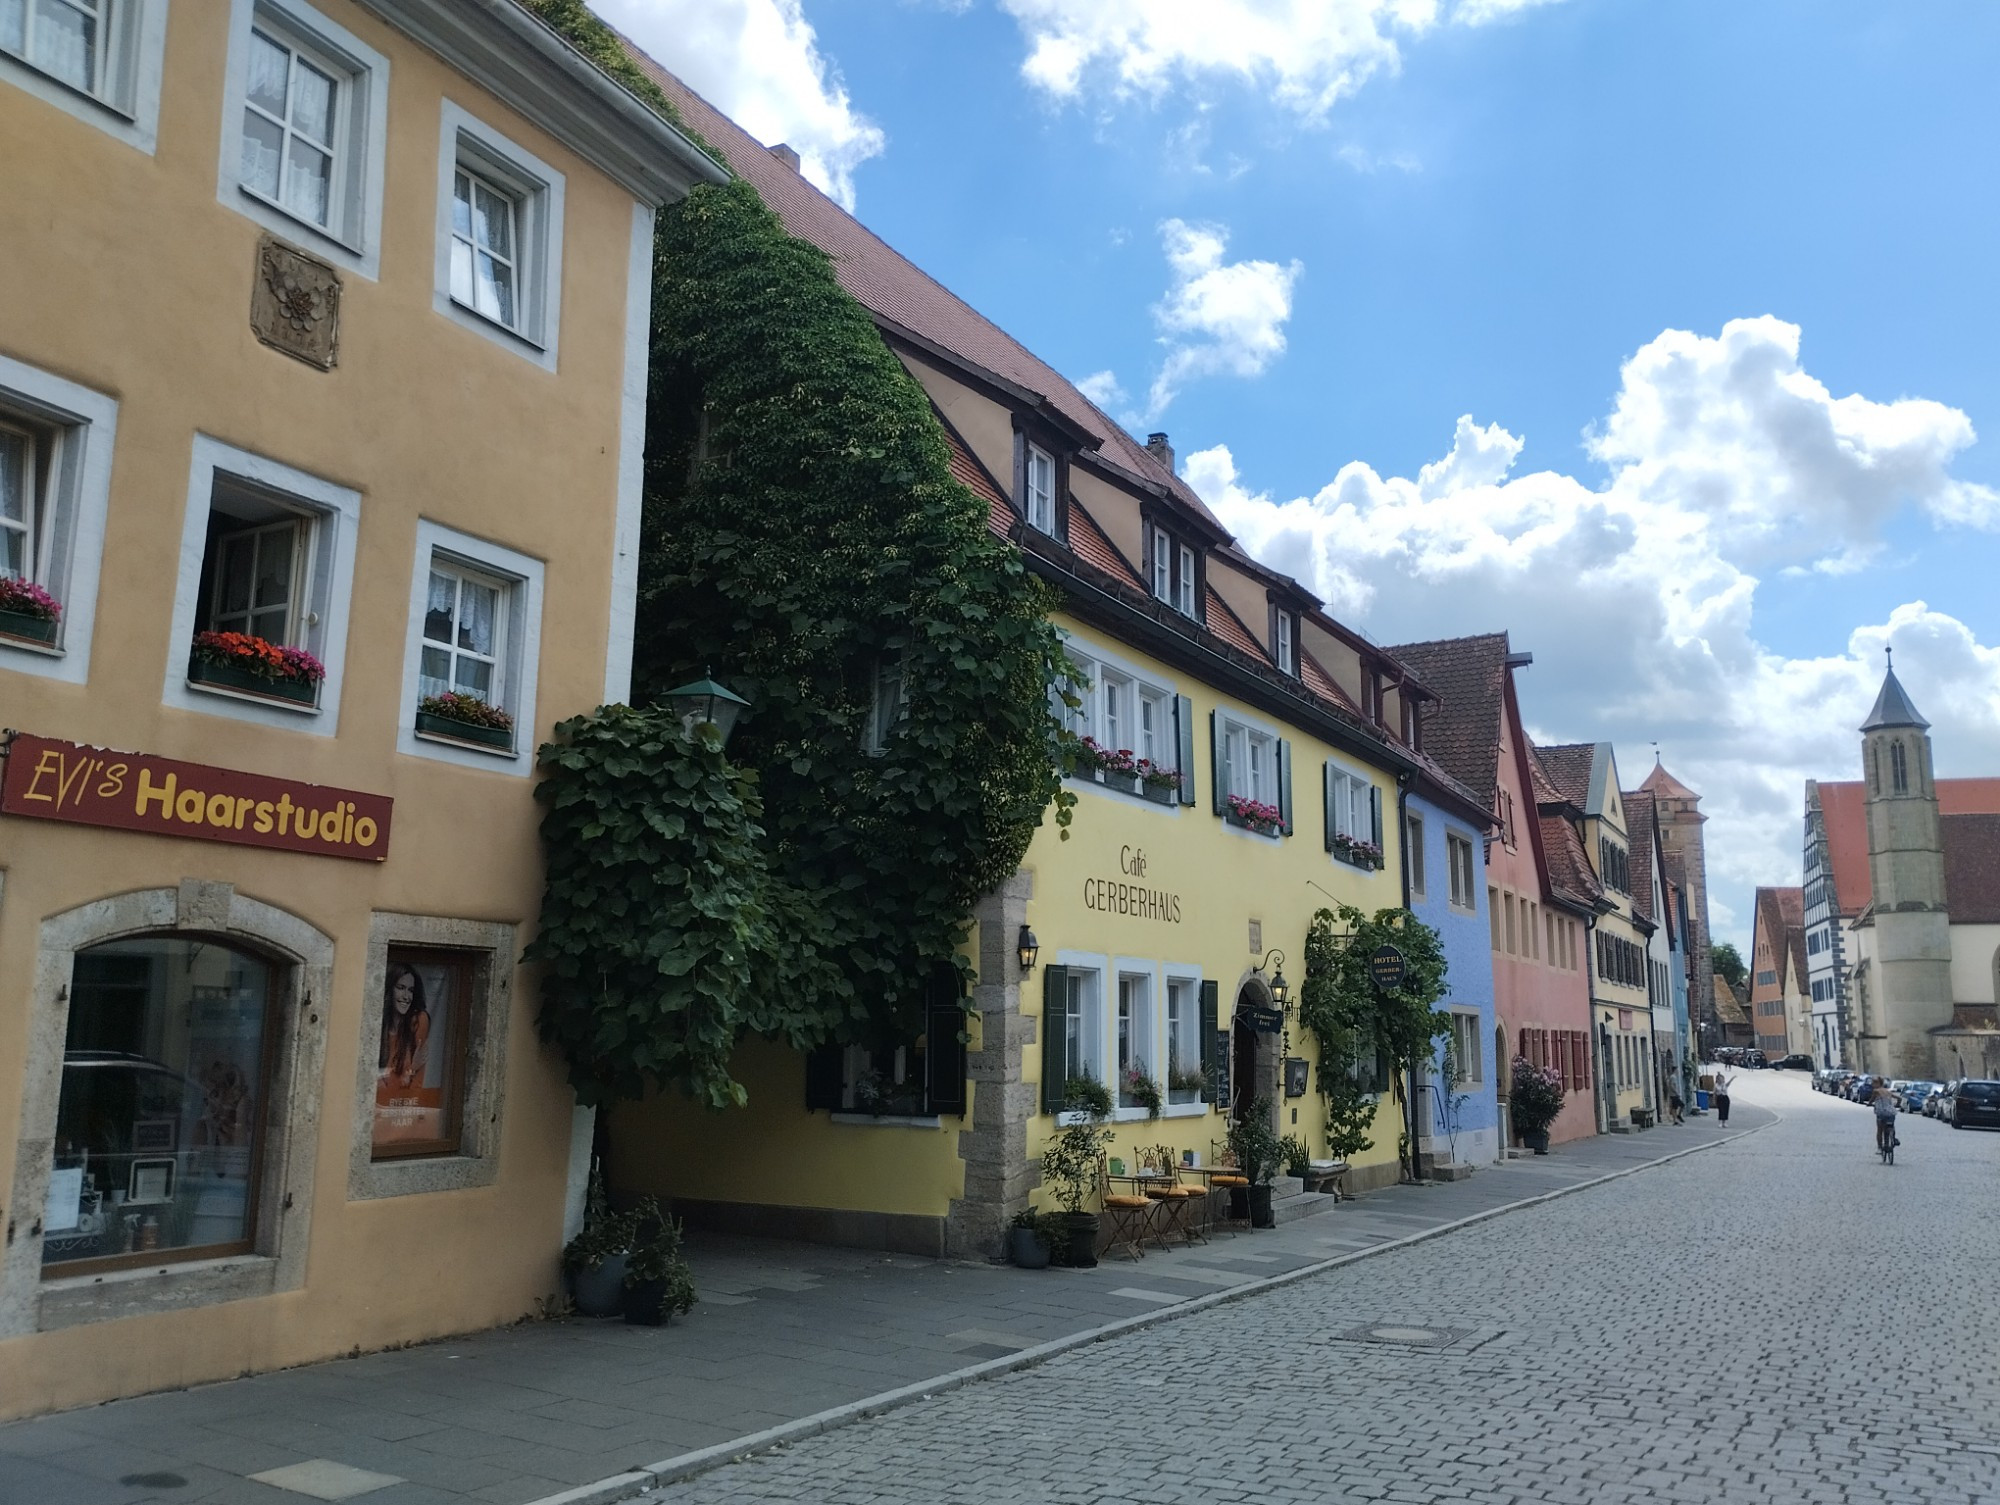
x: 295, y: 304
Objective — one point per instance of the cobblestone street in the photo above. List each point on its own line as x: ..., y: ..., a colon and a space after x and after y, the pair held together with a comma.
x: 1669, y: 1336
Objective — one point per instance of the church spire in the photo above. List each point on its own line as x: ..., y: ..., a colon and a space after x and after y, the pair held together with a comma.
x: 1892, y: 706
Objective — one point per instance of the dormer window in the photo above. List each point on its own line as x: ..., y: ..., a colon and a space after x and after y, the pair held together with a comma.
x: 1038, y: 486
x: 1176, y: 576
x: 1284, y: 642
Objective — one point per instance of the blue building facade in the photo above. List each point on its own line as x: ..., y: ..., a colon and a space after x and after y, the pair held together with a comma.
x: 1445, y: 881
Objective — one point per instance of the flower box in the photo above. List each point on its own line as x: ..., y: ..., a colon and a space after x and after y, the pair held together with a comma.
x: 223, y: 676
x: 1259, y: 827
x: 1161, y: 794
x: 501, y: 737
x: 1357, y: 853
x: 18, y: 624
x: 1254, y: 815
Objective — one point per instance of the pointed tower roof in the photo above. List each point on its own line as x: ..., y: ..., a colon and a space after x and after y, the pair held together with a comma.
x: 1663, y: 785
x: 1892, y: 706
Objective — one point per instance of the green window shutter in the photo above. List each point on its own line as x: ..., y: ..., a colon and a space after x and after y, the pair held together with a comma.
x: 1375, y: 813
x: 1055, y: 1067
x: 1184, y: 730
x: 1218, y: 762
x: 945, y: 1024
x: 1285, y: 782
x: 1214, y: 1046
x: 823, y: 1078
x: 1326, y: 781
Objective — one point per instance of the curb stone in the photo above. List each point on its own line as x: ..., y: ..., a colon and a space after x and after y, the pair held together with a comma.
x: 645, y: 1478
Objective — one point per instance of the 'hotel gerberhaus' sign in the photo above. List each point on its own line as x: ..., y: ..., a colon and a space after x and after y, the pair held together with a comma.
x: 93, y: 786
x: 1124, y: 897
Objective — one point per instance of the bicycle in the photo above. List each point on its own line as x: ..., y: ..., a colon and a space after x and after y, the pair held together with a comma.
x: 1885, y: 1139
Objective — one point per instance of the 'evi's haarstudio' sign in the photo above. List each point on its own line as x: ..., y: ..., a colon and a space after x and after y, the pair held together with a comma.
x: 138, y: 792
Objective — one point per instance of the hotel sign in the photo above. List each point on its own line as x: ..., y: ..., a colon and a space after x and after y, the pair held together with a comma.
x: 91, y: 786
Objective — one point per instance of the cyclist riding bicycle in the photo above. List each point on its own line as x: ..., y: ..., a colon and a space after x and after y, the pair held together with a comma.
x: 1885, y: 1117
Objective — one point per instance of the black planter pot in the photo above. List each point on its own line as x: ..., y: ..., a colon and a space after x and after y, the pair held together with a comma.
x: 464, y: 731
x: 1026, y: 1249
x: 646, y: 1303
x: 229, y: 677
x: 1081, y: 1253
x: 1536, y: 1140
x: 599, y: 1291
x: 18, y: 624
x: 1260, y: 1207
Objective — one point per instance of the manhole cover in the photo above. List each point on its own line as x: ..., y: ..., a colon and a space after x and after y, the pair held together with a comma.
x: 1404, y: 1335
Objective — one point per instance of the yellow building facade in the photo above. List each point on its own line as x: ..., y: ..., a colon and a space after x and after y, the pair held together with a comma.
x: 322, y: 375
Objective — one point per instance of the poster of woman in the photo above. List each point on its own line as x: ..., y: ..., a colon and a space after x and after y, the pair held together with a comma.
x: 413, y: 1060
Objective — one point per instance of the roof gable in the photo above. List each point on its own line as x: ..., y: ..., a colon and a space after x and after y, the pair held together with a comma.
x: 1463, y: 729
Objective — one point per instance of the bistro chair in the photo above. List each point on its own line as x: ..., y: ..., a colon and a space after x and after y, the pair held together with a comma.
x: 1180, y: 1206
x: 1227, y: 1181
x: 1128, y: 1218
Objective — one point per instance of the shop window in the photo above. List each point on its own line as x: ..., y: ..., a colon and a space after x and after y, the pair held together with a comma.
x: 499, y: 237
x: 472, y: 652
x: 304, y: 127
x: 420, y: 1056
x: 163, y: 1105
x: 1134, y: 1035
x: 920, y: 1077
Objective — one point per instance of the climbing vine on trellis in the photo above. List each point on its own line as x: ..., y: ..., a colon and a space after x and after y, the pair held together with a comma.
x: 805, y: 541
x: 1352, y: 1019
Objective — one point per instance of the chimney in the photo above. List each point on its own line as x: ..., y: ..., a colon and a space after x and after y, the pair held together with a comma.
x: 1159, y: 449
x: 785, y: 154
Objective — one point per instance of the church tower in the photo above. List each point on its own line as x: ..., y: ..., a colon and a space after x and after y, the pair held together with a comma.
x: 1681, y: 820
x: 1910, y: 994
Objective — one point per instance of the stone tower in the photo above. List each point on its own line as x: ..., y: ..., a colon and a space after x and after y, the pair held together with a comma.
x: 1681, y: 820
x: 1910, y: 995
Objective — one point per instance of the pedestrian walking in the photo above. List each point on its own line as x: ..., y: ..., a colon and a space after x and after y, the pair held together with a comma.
x: 1722, y: 1098
x: 1675, y: 1108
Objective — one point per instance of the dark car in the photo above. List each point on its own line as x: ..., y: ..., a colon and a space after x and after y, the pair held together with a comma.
x: 1796, y: 1061
x: 1975, y: 1103
x: 1754, y: 1059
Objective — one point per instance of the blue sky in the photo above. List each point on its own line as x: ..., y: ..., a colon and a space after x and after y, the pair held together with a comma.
x: 1491, y: 223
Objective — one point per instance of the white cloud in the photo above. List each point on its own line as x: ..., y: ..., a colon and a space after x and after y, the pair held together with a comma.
x: 1218, y: 317
x: 758, y: 61
x: 1102, y: 388
x: 1306, y: 54
x: 1636, y: 593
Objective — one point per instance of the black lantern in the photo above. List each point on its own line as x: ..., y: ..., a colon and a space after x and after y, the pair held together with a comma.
x: 706, y: 703
x: 1030, y: 948
x: 1281, y: 991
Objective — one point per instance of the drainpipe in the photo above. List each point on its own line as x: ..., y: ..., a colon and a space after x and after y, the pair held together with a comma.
x: 1402, y: 837
x: 1597, y: 1112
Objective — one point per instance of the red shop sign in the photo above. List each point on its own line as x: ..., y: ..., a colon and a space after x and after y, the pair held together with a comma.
x: 92, y: 786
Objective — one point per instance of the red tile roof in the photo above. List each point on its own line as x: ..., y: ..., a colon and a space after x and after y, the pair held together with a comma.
x: 1660, y: 782
x: 1639, y: 814
x: 1570, y: 873
x: 1568, y: 770
x: 1469, y: 676
x: 972, y: 475
x: 1843, y: 807
x: 1972, y: 868
x: 901, y: 294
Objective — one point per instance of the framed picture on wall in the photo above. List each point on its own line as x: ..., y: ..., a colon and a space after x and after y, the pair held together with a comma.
x: 150, y: 1181
x: 1297, y: 1076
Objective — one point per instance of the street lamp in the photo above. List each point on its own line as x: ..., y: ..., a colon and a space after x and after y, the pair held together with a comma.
x: 704, y: 702
x: 1029, y: 949
x: 1281, y: 991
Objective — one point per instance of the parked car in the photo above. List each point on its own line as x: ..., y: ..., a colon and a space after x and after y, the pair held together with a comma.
x: 1976, y: 1104
x: 1796, y: 1061
x: 1941, y: 1104
x: 1862, y: 1088
x: 1754, y: 1059
x: 1916, y: 1094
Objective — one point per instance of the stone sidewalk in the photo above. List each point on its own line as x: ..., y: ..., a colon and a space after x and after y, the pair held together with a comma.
x: 786, y: 1339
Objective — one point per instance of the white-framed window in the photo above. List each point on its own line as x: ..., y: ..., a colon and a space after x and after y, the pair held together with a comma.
x: 56, y: 441
x: 1174, y: 580
x: 1251, y: 762
x: 1183, y: 1080
x: 1132, y: 1036
x: 1413, y: 851
x: 1082, y: 1020
x: 264, y: 548
x: 474, y: 629
x: 1156, y: 731
x: 98, y: 60
x: 1458, y: 858
x: 1184, y: 585
x: 1285, y: 647
x: 1468, y: 1043
x: 500, y: 236
x: 1123, y: 711
x: 304, y: 126
x: 1038, y: 489
x: 1163, y: 566
x: 1353, y: 817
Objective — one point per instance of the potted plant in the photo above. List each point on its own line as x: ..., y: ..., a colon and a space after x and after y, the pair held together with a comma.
x: 1259, y: 1151
x: 1036, y: 1238
x: 465, y: 718
x: 1184, y: 1083
x: 1255, y: 815
x: 27, y: 611
x: 1070, y: 1163
x: 593, y: 1263
x: 1535, y: 1098
x: 1138, y: 1090
x: 1297, y: 1156
x: 1357, y: 852
x: 658, y: 1282
x: 253, y: 666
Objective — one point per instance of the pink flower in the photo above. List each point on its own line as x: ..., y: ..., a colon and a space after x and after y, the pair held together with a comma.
x: 24, y: 598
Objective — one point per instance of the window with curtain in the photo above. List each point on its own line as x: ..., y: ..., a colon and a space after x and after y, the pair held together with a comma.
x: 20, y: 510
x: 66, y: 39
x: 291, y: 126
x: 486, y: 248
x: 463, y: 635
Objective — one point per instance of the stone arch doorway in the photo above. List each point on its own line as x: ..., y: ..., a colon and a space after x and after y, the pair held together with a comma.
x: 1254, y: 1064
